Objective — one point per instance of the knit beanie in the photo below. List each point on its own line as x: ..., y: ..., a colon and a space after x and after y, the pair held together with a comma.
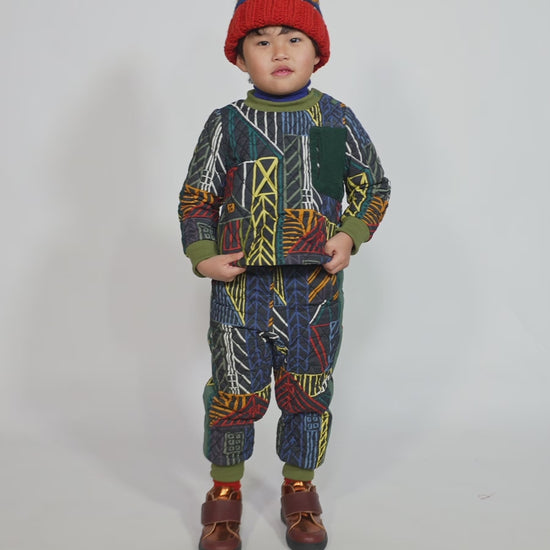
x: 304, y: 15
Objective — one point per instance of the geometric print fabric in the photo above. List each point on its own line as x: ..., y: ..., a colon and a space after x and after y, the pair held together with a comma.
x: 292, y: 334
x: 271, y: 183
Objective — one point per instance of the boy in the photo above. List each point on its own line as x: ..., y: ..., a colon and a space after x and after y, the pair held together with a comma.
x: 261, y: 215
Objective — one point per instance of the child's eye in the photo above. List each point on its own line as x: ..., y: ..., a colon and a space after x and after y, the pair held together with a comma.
x: 295, y: 40
x: 263, y: 43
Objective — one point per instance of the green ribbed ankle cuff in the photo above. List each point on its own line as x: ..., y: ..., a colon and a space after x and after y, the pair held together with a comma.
x: 297, y: 474
x: 227, y: 474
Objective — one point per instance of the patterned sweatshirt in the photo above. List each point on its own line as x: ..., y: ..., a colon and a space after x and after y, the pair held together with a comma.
x: 269, y: 179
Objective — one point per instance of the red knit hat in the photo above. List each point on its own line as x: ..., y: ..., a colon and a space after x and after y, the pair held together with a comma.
x: 304, y: 15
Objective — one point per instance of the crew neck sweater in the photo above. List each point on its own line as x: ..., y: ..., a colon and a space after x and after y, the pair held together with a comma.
x: 269, y: 178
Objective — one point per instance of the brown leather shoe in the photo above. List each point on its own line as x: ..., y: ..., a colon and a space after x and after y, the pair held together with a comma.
x: 221, y: 517
x: 301, y: 511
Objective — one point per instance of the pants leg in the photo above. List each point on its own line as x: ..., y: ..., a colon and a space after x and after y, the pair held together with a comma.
x: 284, y: 320
x: 303, y: 380
x: 238, y: 393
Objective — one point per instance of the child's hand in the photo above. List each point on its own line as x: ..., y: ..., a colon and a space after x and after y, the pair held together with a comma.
x: 220, y: 267
x: 339, y: 247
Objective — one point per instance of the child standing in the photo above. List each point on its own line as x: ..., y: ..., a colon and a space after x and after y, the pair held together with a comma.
x: 261, y: 216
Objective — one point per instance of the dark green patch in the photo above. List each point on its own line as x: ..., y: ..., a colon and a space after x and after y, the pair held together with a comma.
x: 328, y: 160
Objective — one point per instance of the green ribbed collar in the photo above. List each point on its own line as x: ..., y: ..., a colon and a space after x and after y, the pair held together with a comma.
x: 291, y: 106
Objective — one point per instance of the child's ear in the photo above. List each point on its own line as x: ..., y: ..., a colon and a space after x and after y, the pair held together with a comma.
x: 241, y: 63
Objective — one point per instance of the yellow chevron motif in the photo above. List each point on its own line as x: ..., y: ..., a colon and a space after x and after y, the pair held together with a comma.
x: 323, y: 437
x: 316, y: 114
x: 236, y: 290
x: 325, y: 279
x: 264, y: 212
x: 224, y: 404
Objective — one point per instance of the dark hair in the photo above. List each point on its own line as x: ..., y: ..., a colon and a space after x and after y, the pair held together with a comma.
x: 284, y: 30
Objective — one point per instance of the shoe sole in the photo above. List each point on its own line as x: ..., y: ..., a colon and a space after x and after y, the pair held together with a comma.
x: 295, y: 545
x: 201, y: 547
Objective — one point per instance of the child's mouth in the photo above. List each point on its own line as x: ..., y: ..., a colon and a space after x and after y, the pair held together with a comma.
x: 282, y: 71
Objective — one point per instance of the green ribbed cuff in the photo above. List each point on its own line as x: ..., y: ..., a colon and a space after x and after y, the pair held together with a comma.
x: 357, y: 229
x: 297, y: 474
x: 227, y: 474
x: 199, y: 251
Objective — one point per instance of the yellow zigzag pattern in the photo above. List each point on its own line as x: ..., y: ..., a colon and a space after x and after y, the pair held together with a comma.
x: 316, y: 115
x: 297, y: 224
x: 360, y: 185
x: 279, y: 285
x: 236, y: 290
x: 194, y: 197
x: 312, y: 384
x: 264, y: 211
x: 323, y: 437
x: 226, y: 403
x: 325, y: 279
x: 376, y: 211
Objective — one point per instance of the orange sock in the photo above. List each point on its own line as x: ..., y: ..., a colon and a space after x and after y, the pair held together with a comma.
x: 235, y: 485
x: 292, y: 481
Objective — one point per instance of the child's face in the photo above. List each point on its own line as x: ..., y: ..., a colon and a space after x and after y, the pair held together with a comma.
x: 278, y: 61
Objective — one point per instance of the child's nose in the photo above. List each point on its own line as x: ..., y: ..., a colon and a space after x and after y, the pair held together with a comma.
x: 280, y: 53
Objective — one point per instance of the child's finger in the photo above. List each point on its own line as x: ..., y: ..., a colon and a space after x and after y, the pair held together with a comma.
x: 233, y: 257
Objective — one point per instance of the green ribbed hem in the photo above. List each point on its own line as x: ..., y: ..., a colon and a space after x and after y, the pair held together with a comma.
x: 227, y: 474
x: 357, y: 230
x: 199, y: 251
x: 297, y: 474
x: 284, y: 106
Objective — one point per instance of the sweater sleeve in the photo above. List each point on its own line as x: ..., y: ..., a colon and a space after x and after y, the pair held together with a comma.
x: 367, y: 188
x: 201, y: 194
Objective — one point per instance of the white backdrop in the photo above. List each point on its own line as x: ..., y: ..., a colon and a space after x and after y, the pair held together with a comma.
x: 441, y: 432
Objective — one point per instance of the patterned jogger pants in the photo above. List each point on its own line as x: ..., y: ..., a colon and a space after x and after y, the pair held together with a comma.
x: 283, y: 322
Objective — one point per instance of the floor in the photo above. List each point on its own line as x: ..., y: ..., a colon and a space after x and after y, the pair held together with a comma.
x: 470, y: 491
